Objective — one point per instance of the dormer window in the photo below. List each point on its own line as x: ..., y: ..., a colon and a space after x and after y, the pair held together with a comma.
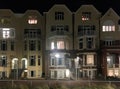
x: 32, y: 20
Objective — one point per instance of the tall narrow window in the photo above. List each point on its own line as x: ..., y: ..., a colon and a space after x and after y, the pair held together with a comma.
x: 12, y: 45
x: 39, y: 45
x: 89, y: 43
x: 32, y: 73
x: 4, y: 45
x: 39, y: 59
x: 80, y: 43
x: 32, y: 61
x: 3, y: 61
x: 52, y: 61
x: 52, y: 45
x: 32, y: 45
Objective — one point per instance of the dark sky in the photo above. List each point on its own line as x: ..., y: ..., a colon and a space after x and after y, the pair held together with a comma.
x: 20, y: 6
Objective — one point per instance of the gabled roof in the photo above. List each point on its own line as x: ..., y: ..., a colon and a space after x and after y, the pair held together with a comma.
x: 59, y: 6
x: 110, y: 10
x: 88, y: 6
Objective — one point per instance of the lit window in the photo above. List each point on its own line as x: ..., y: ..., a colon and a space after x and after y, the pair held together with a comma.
x: 60, y: 45
x: 90, y: 59
x: 110, y: 72
x: 116, y: 72
x: 108, y: 28
x: 86, y: 16
x: 6, y: 32
x: 52, y: 45
x: 32, y: 20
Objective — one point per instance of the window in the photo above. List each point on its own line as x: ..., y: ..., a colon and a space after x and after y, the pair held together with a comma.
x: 86, y: 30
x: 108, y: 28
x: 32, y: 20
x: 8, y: 33
x: 89, y: 42
x: 3, y: 45
x: 52, y: 45
x: 39, y: 59
x: 3, y: 61
x: 32, y: 45
x: 110, y: 73
x: 80, y: 43
x: 60, y: 61
x: 32, y: 73
x: 39, y: 45
x: 86, y: 16
x: 52, y: 61
x: 32, y: 61
x: 59, y: 15
x: 108, y: 42
x: 12, y: 45
x: 110, y: 61
x: 60, y: 28
x: 60, y: 45
x: 116, y: 72
x: 32, y: 33
x: 90, y: 59
x: 25, y: 45
x: 52, y: 74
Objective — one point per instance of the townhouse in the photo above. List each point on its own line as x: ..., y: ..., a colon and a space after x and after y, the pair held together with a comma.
x: 59, y: 44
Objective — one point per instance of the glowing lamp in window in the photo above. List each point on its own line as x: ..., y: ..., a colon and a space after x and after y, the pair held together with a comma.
x: 32, y: 21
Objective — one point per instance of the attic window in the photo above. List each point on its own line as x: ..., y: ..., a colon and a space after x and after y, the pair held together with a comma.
x: 86, y: 16
x: 32, y: 20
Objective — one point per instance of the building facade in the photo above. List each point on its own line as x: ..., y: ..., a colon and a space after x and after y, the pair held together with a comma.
x: 59, y: 44
x: 86, y: 39
x: 21, y: 49
x: 110, y: 43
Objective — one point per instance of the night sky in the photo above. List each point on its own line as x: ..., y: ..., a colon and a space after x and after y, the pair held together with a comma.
x: 20, y: 6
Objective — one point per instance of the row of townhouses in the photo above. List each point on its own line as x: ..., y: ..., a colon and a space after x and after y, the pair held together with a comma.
x: 59, y: 44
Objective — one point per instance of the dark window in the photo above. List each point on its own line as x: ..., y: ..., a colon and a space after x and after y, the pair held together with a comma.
x: 25, y: 45
x: 32, y: 45
x: 81, y: 43
x: 89, y: 42
x: 39, y: 59
x: 12, y: 45
x: 32, y: 61
x: 39, y: 45
x: 4, y: 45
x: 59, y: 15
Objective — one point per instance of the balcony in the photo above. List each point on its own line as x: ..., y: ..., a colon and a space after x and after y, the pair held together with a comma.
x: 59, y: 33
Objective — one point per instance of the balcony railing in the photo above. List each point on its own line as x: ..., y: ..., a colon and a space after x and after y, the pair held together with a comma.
x: 59, y: 33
